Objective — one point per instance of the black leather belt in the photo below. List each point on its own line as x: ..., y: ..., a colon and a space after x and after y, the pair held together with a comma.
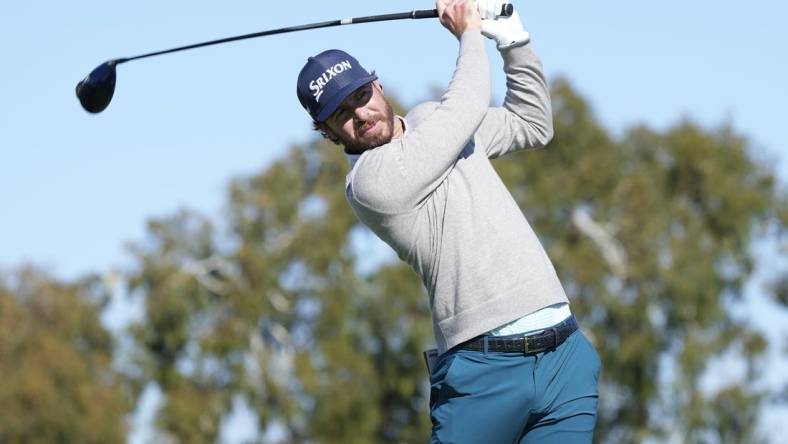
x: 546, y: 339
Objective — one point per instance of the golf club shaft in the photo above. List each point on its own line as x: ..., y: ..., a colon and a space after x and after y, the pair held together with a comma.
x: 416, y: 14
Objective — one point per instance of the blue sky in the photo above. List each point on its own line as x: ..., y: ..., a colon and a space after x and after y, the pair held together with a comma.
x: 74, y: 187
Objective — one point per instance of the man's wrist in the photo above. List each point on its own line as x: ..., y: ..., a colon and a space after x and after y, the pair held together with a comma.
x: 514, y: 41
x: 471, y: 34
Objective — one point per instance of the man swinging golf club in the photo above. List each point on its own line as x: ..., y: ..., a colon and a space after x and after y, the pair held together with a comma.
x: 513, y: 366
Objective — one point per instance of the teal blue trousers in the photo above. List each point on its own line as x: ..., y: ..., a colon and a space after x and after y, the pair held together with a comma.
x: 495, y: 397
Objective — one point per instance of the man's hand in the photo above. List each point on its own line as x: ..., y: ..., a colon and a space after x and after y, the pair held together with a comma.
x: 506, y: 31
x: 459, y: 16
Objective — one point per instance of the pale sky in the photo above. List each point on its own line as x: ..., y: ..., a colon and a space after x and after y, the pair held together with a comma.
x: 75, y: 188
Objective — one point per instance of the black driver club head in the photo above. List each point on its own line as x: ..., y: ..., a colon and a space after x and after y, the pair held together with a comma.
x: 96, y: 89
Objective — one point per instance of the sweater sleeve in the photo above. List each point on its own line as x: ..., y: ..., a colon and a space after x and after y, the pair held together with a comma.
x: 525, y: 120
x: 398, y: 176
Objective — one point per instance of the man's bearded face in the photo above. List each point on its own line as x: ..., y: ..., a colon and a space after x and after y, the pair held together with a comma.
x: 364, y: 120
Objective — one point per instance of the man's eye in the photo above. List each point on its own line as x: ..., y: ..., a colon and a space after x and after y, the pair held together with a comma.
x: 340, y: 115
x: 361, y: 96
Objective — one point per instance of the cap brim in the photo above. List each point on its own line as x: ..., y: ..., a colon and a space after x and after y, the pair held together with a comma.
x: 337, y: 99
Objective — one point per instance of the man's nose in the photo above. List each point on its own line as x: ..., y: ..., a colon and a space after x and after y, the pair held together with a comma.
x: 361, y: 113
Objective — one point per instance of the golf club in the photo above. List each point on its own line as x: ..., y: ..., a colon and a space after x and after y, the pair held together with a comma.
x: 95, y: 91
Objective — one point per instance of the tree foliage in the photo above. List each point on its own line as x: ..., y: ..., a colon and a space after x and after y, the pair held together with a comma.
x: 275, y: 312
x: 679, y: 209
x: 58, y: 383
x: 650, y: 233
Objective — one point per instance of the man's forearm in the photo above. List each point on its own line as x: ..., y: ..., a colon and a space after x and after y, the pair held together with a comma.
x: 527, y: 94
x: 412, y: 167
x: 525, y: 119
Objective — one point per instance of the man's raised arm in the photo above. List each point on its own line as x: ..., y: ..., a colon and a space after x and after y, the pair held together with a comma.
x: 525, y: 120
x: 410, y: 169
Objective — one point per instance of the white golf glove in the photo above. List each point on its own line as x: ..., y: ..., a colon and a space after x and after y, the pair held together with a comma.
x: 491, y: 9
x: 506, y: 31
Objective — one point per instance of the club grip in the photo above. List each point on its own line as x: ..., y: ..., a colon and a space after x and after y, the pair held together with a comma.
x: 507, y: 9
x: 424, y: 13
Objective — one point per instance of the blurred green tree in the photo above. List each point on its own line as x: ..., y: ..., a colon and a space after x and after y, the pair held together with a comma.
x: 279, y: 308
x: 278, y: 312
x: 651, y: 237
x: 57, y: 382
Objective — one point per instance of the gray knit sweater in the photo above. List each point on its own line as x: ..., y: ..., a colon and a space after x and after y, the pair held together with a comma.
x: 434, y: 197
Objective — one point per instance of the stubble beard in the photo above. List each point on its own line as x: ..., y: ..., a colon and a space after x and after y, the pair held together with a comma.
x: 381, y: 136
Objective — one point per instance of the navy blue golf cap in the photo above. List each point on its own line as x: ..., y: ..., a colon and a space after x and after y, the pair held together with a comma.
x: 327, y: 79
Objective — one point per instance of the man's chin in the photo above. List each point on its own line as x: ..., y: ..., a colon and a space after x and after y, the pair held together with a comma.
x: 376, y: 141
x: 368, y: 143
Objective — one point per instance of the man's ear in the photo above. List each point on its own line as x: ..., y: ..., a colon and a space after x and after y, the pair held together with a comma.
x: 325, y: 131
